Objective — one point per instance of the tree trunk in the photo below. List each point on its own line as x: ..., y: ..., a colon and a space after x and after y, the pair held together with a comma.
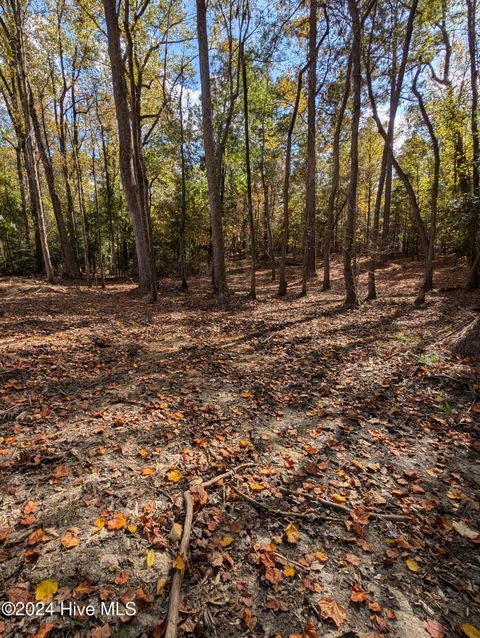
x: 30, y: 159
x: 183, y: 213
x: 310, y: 199
x: 130, y: 184
x: 385, y: 180
x: 218, y: 247
x: 349, y: 232
x: 282, y: 284
x: 474, y: 274
x: 335, y: 178
x: 69, y: 259
x: 251, y: 221
x: 21, y: 183
x: 427, y: 283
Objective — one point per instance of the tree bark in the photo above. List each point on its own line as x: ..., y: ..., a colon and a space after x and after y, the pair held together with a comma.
x: 130, y: 183
x: 310, y: 199
x: 218, y: 247
x: 16, y: 42
x: 335, y: 178
x: 282, y: 284
x: 349, y: 232
x: 69, y: 259
x: 251, y: 221
x: 474, y: 273
x: 427, y: 283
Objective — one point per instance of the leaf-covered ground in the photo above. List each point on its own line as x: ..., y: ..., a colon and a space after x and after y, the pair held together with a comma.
x: 110, y: 408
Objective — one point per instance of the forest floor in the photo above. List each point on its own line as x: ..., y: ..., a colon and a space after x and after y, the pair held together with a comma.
x: 110, y: 408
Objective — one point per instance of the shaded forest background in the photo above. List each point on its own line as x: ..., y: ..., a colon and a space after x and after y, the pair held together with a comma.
x: 159, y: 137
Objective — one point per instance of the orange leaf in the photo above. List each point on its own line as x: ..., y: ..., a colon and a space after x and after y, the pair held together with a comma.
x: 69, y: 540
x: 121, y: 578
x: 36, y: 536
x: 358, y: 595
x: 331, y: 610
x: 30, y: 507
x: 117, y: 522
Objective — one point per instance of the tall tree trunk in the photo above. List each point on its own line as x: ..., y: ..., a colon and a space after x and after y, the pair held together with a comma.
x: 69, y: 259
x: 218, y: 246
x: 349, y: 231
x: 310, y: 199
x: 385, y: 180
x: 130, y: 183
x: 183, y: 212
x: 17, y: 42
x: 335, y: 178
x: 97, y: 215
x: 474, y: 274
x: 266, y: 208
x: 21, y: 182
x: 80, y: 191
x: 140, y: 170
x: 427, y: 283
x: 282, y: 284
x: 251, y: 220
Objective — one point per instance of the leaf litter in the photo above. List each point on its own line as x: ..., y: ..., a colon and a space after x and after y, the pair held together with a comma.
x: 362, y: 509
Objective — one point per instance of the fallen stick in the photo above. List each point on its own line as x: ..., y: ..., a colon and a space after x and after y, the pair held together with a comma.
x: 214, y: 480
x: 174, y: 602
x: 344, y: 508
x: 286, y: 513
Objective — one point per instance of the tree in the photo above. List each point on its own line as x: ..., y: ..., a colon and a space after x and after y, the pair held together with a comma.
x: 129, y: 160
x: 213, y: 177
x: 349, y: 233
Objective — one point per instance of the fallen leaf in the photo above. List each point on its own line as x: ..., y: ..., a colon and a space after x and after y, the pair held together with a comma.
x: 44, y: 629
x: 176, y: 532
x: 150, y: 559
x: 470, y: 631
x: 322, y: 557
x: 117, y: 522
x: 36, y: 536
x: 46, y: 588
x: 70, y: 539
x: 148, y: 471
x: 353, y: 560
x: 226, y: 541
x: 101, y: 632
x: 461, y: 528
x: 256, y: 487
x: 160, y: 586
x: 84, y: 588
x: 122, y: 578
x: 331, y: 610
x: 358, y: 595
x: 60, y: 471
x: 337, y: 498
x: 247, y: 617
x: 174, y: 476
x: 30, y: 507
x: 309, y: 630
x: 179, y: 562
x: 289, y: 571
x: 412, y: 565
x: 292, y: 534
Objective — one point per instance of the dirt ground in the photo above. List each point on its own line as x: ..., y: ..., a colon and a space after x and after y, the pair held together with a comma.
x: 111, y: 407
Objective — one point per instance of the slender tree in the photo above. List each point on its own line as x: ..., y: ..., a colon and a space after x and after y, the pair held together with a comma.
x: 213, y: 175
